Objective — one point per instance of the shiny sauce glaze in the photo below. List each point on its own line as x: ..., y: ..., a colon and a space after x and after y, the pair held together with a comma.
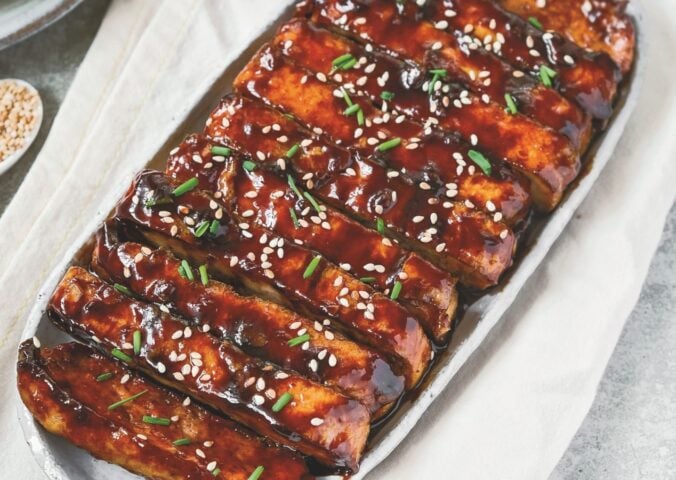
x: 260, y: 195
x: 236, y: 251
x: 451, y: 234
x: 323, y: 423
x: 381, y: 23
x: 69, y: 389
x: 261, y: 329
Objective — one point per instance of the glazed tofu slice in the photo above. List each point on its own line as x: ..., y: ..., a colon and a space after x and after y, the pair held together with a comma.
x: 453, y: 235
x: 261, y: 329
x: 75, y: 392
x: 597, y: 25
x: 546, y: 158
x: 262, y: 196
x: 197, y: 228
x: 324, y: 423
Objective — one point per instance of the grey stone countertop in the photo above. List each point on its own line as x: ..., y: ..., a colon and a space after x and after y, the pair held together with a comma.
x: 630, y: 431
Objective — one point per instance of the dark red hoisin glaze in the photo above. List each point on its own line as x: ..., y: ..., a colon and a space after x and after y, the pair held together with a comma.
x: 261, y: 329
x: 379, y: 22
x: 59, y: 387
x: 544, y: 156
x: 255, y: 192
x: 596, y: 25
x: 322, y: 423
x: 237, y: 252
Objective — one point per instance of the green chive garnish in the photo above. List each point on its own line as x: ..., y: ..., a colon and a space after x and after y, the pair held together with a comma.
x: 204, y: 275
x: 360, y: 117
x: 202, y: 229
x: 126, y: 400
x: 293, y: 186
x: 294, y: 218
x: 181, y: 272
x: 367, y: 279
x: 388, y: 145
x: 351, y: 110
x: 535, y: 22
x: 292, y: 151
x: 213, y: 228
x: 187, y: 270
x: 396, y: 290
x: 185, y: 187
x: 181, y: 442
x: 546, y: 75
x: 437, y: 73
x: 312, y: 200
x: 137, y: 342
x: 282, y: 402
x: 511, y: 104
x: 120, y: 355
x: 349, y: 64
x: 481, y: 161
x: 104, y: 376
x: 311, y: 267
x: 257, y: 473
x: 149, y: 202
x: 216, y: 471
x: 224, y: 151
x: 122, y: 289
x: 347, y: 98
x: 248, y: 165
x: 156, y: 420
x: 380, y: 225
x: 337, y: 62
x: 294, y: 342
x: 387, y: 96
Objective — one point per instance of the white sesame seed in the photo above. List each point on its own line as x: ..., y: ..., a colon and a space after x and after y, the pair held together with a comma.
x: 316, y: 421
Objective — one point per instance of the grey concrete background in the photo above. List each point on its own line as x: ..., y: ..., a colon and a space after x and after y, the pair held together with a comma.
x: 630, y: 431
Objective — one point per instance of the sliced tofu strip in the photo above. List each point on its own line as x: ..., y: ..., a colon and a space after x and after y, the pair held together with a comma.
x: 197, y: 228
x: 597, y: 25
x: 260, y: 328
x: 380, y: 23
x: 546, y: 158
x: 324, y: 423
x: 452, y: 235
x: 70, y: 389
x: 261, y: 196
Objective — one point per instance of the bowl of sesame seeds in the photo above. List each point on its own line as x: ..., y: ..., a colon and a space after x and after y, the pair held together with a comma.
x: 20, y: 120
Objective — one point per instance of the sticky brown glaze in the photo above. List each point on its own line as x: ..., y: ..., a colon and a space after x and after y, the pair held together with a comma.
x: 589, y: 79
x: 238, y: 252
x: 262, y: 196
x: 323, y: 423
x: 261, y: 329
x: 425, y: 156
x: 59, y: 387
x: 379, y: 22
x: 548, y: 159
x: 597, y: 25
x: 463, y: 242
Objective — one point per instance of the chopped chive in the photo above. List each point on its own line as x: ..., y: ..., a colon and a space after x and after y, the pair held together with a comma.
x: 224, y: 151
x: 213, y: 228
x: 535, y: 22
x: 380, y: 225
x: 181, y: 272
x: 338, y: 61
x: 360, y: 117
x: 216, y: 471
x: 294, y: 218
x: 396, y: 290
x: 481, y: 161
x: 347, y: 98
x: 122, y: 289
x: 292, y: 151
x: 351, y: 110
x: 293, y: 186
x: 289, y: 116
x: 248, y: 165
x: 257, y: 473
x: 137, y: 342
x: 115, y: 405
x: 149, y: 202
x: 187, y: 270
x: 294, y: 342
x: 181, y: 442
x: 204, y: 275
x: 367, y: 279
x: 546, y: 75
x: 439, y: 71
x: 104, y: 376
x: 282, y: 402
x: 202, y: 229
x: 388, y: 145
x: 312, y: 200
x: 185, y: 187
x: 387, y: 96
x: 120, y: 355
x: 511, y: 104
x: 349, y: 64
x: 156, y: 420
x: 311, y: 267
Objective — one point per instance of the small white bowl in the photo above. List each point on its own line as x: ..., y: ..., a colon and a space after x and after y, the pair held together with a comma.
x: 7, y: 163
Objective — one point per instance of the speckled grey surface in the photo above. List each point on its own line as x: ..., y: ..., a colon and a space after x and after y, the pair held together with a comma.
x: 630, y: 432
